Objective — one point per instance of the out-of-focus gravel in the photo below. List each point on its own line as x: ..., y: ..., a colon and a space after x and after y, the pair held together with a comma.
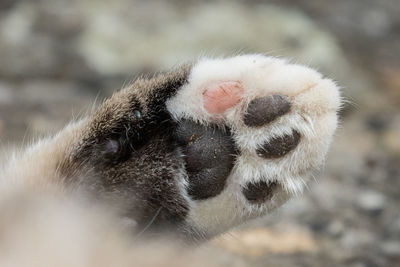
x: 58, y: 56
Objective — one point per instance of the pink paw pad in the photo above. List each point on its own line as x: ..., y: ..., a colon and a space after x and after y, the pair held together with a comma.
x: 220, y: 96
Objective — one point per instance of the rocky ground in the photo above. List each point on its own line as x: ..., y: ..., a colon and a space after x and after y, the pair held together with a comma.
x: 56, y: 57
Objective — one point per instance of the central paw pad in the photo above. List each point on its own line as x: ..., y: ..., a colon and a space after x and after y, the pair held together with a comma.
x: 209, y: 155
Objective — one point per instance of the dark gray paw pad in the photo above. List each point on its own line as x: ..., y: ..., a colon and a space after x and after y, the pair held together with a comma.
x: 259, y: 192
x: 209, y: 155
x: 265, y: 109
x: 279, y: 146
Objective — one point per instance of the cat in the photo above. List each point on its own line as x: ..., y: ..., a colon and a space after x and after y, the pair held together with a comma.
x: 187, y: 154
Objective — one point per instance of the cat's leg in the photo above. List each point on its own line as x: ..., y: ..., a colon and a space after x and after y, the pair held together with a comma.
x: 208, y: 146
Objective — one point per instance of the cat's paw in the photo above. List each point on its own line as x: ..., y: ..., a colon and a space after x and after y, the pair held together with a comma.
x: 251, y: 128
x: 208, y: 146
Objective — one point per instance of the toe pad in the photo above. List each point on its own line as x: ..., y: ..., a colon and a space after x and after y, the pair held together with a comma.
x: 259, y: 192
x: 279, y: 146
x: 219, y: 97
x: 265, y: 109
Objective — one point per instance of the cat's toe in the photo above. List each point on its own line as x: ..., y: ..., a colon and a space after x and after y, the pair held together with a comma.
x: 266, y: 109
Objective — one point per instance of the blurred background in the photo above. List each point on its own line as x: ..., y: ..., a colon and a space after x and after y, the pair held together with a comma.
x: 58, y: 56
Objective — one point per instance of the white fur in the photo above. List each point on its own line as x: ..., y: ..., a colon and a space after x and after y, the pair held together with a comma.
x: 315, y: 101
